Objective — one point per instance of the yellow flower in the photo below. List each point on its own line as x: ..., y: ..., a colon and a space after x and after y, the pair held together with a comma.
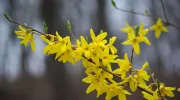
x: 134, y: 41
x: 86, y: 48
x: 98, y: 41
x: 78, y: 50
x: 178, y: 89
x: 132, y: 82
x: 99, y: 72
x: 158, y: 28
x: 61, y: 46
x: 86, y: 63
x: 22, y: 31
x: 99, y: 38
x: 151, y: 97
x: 128, y: 29
x: 50, y: 44
x: 26, y: 37
x: 116, y: 90
x: 107, y: 59
x: 95, y: 56
x: 63, y: 49
x: 124, y: 66
x: 142, y: 33
x: 95, y: 81
x: 102, y: 89
x: 166, y: 90
x: 110, y: 45
x: 148, y: 88
x: 67, y: 55
x: 142, y: 74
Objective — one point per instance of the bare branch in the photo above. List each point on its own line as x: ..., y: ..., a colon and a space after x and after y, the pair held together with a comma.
x: 166, y: 23
x: 164, y: 11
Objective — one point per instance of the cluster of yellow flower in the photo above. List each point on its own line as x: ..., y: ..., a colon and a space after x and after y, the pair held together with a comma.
x: 27, y: 36
x: 98, y: 56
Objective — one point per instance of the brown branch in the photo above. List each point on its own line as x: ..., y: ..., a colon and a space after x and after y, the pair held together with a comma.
x: 155, y: 81
x: 132, y: 53
x: 140, y: 88
x: 131, y: 59
x: 102, y: 67
x: 166, y: 23
x: 32, y: 29
x: 72, y: 35
x: 109, y: 71
x: 90, y: 60
x: 164, y: 11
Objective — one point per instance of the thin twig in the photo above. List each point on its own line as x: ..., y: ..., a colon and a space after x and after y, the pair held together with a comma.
x: 142, y: 89
x: 155, y: 81
x: 72, y: 35
x: 152, y: 75
x: 148, y: 15
x: 132, y: 53
x: 25, y: 26
x: 131, y: 59
x: 109, y: 71
x: 137, y: 13
x: 164, y: 11
x: 102, y: 67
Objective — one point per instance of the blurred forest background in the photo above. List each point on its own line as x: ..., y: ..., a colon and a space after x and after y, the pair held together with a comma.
x: 25, y: 75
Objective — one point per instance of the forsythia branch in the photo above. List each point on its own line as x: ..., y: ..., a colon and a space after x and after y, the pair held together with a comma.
x: 97, y: 57
x: 139, y: 87
x: 7, y: 17
x: 164, y: 11
x: 166, y: 23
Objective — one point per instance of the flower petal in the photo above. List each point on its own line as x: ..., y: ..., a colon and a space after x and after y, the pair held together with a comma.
x: 159, y: 22
x: 33, y: 47
x: 128, y: 42
x: 93, y: 36
x: 157, y: 33
x: 164, y: 29
x: 136, y: 48
x: 58, y: 36
x: 145, y: 39
x: 145, y: 65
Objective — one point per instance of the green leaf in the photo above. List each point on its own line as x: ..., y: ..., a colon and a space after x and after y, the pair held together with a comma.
x: 25, y: 24
x: 7, y: 17
x: 69, y: 25
x: 87, y: 39
x: 134, y: 27
x: 158, y: 83
x: 137, y: 30
x: 113, y: 3
x: 45, y: 27
x: 101, y: 31
x: 146, y: 12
